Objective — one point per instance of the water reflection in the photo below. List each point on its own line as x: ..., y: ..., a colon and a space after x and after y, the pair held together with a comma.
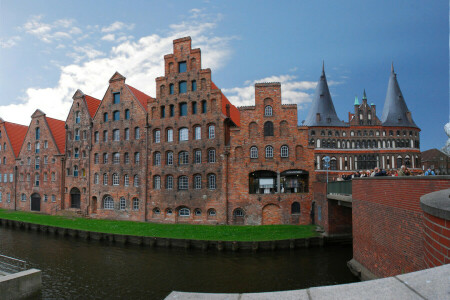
x: 74, y: 268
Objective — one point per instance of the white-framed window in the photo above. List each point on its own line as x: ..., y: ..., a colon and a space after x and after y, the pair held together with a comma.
x: 8, y: 197
x: 157, y: 182
x: 105, y: 136
x: 184, y: 134
x: 116, y: 158
x: 269, y: 152
x: 211, y: 131
x: 37, y: 163
x: 197, y: 212
x: 126, y: 180
x: 183, y: 158
x: 45, y: 198
x: 105, y: 179
x: 105, y: 158
x: 137, y: 133
x: 96, y: 178
x: 37, y: 147
x: 23, y: 197
x: 157, y: 159
x: 77, y: 117
x: 76, y: 153
x: 115, y: 179
x: 116, y: 135
x: 198, y: 156
x: 184, y: 212
x: 136, y: 180
x: 136, y: 157
x: 126, y: 158
x: 122, y: 203
x: 45, y: 144
x: 10, y: 177
x: 53, y: 176
x: 108, y: 202
x: 127, y: 134
x: 198, y: 132
x: 169, y: 160
x: 238, y: 212
x: 253, y: 152
x: 28, y: 146
x: 211, y: 155
x: 170, y: 135
x: 96, y: 137
x: 212, y: 212
x: 5, y: 177
x: 77, y: 134
x: 157, y: 136
x: 169, y: 182
x: 75, y: 171
x: 45, y: 160
x: 268, y: 111
x: 53, y: 198
x: 284, y: 151
x: 1, y: 197
x: 211, y: 181
x: 36, y: 179
x: 135, y: 204
x: 84, y: 136
x: 198, y: 182
x: 183, y: 183
x: 96, y: 158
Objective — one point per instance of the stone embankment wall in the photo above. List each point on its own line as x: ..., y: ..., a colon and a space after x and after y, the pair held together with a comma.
x: 388, y: 222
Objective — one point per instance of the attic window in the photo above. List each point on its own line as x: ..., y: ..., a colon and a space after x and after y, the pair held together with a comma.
x: 116, y: 98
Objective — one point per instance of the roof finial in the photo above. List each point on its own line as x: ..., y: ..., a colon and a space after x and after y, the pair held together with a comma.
x: 364, y: 95
x: 392, y: 67
x: 323, y: 66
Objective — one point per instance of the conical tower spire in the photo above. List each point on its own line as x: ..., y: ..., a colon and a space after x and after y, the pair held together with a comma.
x: 356, y: 101
x: 395, y: 111
x: 364, y: 95
x: 322, y: 112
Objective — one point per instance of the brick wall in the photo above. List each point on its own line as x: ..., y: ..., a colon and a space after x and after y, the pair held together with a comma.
x: 388, y: 222
x: 436, y: 234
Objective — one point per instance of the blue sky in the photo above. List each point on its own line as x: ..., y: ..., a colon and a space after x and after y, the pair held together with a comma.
x: 49, y: 49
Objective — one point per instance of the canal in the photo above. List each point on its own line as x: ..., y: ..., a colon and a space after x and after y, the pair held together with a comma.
x: 78, y: 269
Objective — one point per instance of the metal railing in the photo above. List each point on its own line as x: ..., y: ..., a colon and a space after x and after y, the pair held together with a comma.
x: 340, y: 187
x: 11, y: 265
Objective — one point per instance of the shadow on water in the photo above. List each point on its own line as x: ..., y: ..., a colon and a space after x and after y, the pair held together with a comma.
x: 77, y: 269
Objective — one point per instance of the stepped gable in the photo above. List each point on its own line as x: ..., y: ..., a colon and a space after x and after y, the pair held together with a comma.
x: 395, y: 111
x: 92, y: 104
x: 322, y: 112
x: 16, y: 134
x: 140, y: 96
x: 234, y: 112
x: 57, y: 127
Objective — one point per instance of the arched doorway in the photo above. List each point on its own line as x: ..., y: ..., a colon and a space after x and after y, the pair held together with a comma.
x: 94, y: 205
x: 75, y: 198
x: 271, y: 215
x: 35, y: 202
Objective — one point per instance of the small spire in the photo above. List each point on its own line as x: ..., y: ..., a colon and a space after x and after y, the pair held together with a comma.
x: 323, y: 67
x: 356, y: 100
x: 364, y: 95
x: 392, y: 67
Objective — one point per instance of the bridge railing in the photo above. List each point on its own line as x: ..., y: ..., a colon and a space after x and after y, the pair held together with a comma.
x: 11, y: 265
x: 340, y: 187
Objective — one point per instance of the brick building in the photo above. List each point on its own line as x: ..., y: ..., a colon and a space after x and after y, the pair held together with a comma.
x: 189, y: 156
x: 365, y: 141
x: 436, y: 160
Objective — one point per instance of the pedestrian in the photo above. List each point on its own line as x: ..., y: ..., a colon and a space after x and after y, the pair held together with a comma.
x: 429, y: 172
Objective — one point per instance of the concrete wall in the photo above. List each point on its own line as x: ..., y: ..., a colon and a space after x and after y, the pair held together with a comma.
x: 20, y: 285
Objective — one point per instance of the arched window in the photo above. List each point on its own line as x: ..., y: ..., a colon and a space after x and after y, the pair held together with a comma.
x: 105, y: 158
x: 211, y: 131
x: 211, y: 181
x: 211, y: 155
x: 137, y: 133
x: 197, y: 212
x: 184, y: 212
x: 156, y: 211
x: 38, y: 133
x: 75, y: 171
x: 171, y: 89
x: 169, y: 158
x: 157, y: 136
x: 157, y: 182
x: 254, y: 152
x: 127, y: 114
x: 37, y: 147
x: 268, y: 128
x: 116, y: 158
x: 169, y: 134
x: 37, y: 161
x: 183, y: 134
x: 269, y: 152
x: 284, y: 151
x: 204, y: 109
x: 96, y: 178
x: 183, y: 158
x: 105, y: 179
x: 126, y: 158
x: 136, y: 180
x: 157, y: 159
x: 135, y: 204
x: 126, y: 180
x: 105, y: 117
x: 116, y: 115
x: 116, y: 135
x: 137, y: 157
x: 212, y: 212
x: 122, y: 203
x: 197, y: 156
x: 108, y: 202
x: 197, y: 181
x: 238, y: 212
x: 115, y: 179
x: 197, y: 133
x: 193, y: 85
x: 183, y: 183
x: 77, y: 117
x: 268, y: 111
x: 169, y: 182
x: 295, y: 208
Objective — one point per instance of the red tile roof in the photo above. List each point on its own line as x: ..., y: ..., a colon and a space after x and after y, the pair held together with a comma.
x: 16, y: 134
x: 59, y: 133
x: 142, y: 97
x: 235, y: 116
x: 92, y: 104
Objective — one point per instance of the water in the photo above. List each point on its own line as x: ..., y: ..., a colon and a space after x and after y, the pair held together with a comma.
x: 78, y: 269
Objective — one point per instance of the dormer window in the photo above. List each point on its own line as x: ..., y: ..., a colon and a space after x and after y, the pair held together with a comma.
x: 268, y: 111
x: 182, y: 67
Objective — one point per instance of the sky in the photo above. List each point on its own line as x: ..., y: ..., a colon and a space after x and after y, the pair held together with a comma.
x: 49, y: 49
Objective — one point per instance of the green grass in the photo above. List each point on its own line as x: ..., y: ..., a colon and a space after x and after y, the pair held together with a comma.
x: 180, y: 231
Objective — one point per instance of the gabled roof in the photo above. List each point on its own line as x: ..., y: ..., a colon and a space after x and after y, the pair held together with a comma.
x: 59, y: 133
x: 16, y: 134
x: 235, y: 116
x: 432, y: 154
x: 140, y: 96
x: 395, y: 111
x: 322, y: 105
x: 92, y: 104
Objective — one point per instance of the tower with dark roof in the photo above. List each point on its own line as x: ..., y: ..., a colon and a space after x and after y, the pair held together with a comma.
x: 322, y: 112
x: 395, y: 111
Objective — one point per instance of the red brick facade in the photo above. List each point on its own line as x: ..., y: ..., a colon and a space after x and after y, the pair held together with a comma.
x: 436, y: 234
x: 388, y: 223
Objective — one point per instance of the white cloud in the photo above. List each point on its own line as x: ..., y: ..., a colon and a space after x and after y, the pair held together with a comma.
x: 293, y: 91
x: 141, y: 61
x: 48, y: 32
x: 117, y: 26
x: 109, y: 37
x: 9, y: 43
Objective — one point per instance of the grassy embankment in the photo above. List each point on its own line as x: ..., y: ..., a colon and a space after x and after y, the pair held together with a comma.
x: 180, y: 231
